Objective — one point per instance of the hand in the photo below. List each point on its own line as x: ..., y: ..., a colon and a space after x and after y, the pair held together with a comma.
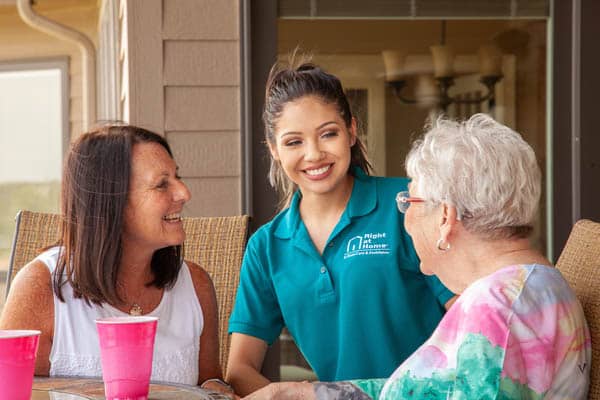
x: 284, y: 391
x: 218, y: 387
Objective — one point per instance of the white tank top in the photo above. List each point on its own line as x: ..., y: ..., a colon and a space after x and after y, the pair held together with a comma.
x: 75, y: 349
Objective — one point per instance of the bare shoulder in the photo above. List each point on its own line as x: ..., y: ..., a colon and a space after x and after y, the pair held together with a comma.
x: 34, y: 279
x: 203, y: 284
x: 30, y: 300
x: 199, y: 274
x: 205, y: 290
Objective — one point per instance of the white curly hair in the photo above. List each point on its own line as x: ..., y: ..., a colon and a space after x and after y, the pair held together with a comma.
x: 483, y: 168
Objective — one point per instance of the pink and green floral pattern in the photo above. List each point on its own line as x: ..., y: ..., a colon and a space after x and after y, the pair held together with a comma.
x: 519, y: 333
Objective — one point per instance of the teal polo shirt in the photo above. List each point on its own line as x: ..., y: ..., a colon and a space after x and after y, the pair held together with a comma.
x: 356, y: 311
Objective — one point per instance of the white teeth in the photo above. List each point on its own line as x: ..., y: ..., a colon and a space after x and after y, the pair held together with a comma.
x: 318, y: 171
x: 172, y: 217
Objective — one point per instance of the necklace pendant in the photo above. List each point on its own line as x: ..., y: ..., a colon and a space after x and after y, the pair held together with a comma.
x: 136, y: 310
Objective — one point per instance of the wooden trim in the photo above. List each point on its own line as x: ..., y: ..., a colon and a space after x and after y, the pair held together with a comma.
x: 575, y: 111
x: 246, y: 108
x: 263, y: 54
x: 263, y: 36
x: 108, y: 63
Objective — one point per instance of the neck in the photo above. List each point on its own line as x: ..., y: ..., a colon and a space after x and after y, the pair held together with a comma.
x: 473, y: 258
x: 317, y: 205
x: 135, y: 269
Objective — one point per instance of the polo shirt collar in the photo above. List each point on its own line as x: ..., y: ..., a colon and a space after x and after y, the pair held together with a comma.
x: 362, y: 201
x: 290, y: 219
x: 364, y: 194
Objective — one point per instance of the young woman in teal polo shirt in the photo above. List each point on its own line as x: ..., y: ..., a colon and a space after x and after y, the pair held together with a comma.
x: 335, y: 266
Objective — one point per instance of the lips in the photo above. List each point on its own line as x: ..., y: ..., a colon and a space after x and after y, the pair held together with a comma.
x: 174, y: 217
x: 318, y: 171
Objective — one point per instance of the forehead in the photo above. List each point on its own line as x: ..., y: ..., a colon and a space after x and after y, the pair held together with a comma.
x: 150, y: 157
x: 306, y: 111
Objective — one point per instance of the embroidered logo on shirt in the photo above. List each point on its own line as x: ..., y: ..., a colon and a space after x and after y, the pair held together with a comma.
x: 367, y: 244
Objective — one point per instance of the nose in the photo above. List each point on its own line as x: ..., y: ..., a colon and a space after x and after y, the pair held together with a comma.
x: 181, y: 192
x: 313, y: 151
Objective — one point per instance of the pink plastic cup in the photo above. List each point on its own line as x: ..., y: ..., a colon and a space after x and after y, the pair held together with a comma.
x: 126, y: 347
x: 18, y: 350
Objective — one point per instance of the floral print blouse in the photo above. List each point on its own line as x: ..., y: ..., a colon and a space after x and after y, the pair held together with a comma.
x: 518, y: 333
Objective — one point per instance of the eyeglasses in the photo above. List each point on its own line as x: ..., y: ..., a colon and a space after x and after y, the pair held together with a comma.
x: 403, y: 201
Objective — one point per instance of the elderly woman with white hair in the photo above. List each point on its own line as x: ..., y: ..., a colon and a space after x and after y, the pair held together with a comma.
x: 517, y: 331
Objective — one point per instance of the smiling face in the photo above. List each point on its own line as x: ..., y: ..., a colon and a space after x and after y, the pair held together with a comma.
x: 155, y: 200
x: 312, y: 143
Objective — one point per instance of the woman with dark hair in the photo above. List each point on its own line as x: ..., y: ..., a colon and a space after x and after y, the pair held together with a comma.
x: 335, y: 266
x: 119, y: 253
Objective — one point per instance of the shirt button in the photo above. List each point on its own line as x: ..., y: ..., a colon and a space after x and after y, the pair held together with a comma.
x: 323, y: 270
x: 331, y: 244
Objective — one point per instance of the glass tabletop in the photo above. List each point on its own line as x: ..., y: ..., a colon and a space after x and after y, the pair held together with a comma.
x: 53, y: 395
x: 93, y: 389
x: 57, y: 395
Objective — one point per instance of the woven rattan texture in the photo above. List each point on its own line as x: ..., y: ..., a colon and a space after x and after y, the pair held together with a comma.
x: 579, y: 262
x: 35, y: 232
x: 215, y: 243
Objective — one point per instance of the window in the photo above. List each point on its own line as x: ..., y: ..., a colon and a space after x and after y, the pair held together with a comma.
x: 33, y: 138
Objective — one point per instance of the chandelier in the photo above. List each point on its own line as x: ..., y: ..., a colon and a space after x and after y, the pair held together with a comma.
x: 443, y: 59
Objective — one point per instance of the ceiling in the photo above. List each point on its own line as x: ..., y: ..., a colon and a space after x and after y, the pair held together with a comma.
x: 372, y: 36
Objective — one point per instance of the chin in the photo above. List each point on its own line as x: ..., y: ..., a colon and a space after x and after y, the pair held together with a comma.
x: 425, y: 270
x: 172, y: 242
x: 166, y: 246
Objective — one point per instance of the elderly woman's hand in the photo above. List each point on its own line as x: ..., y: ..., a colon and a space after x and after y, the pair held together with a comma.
x: 284, y: 391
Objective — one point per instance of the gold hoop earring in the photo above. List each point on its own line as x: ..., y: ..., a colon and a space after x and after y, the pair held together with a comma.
x: 439, y: 245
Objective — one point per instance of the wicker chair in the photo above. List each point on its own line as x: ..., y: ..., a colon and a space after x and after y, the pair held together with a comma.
x: 215, y: 243
x: 33, y: 232
x: 579, y: 263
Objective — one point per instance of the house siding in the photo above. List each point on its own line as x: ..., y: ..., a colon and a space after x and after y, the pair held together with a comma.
x: 183, y: 81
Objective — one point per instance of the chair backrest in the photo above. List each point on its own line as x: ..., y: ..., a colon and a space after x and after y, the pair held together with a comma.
x: 579, y: 263
x: 215, y: 243
x: 33, y: 232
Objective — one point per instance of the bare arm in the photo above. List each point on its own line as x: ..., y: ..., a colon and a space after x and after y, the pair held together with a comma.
x: 30, y: 305
x: 246, y: 357
x: 208, y: 357
x: 289, y: 391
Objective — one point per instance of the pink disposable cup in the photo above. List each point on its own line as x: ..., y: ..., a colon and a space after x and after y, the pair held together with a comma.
x: 18, y: 349
x: 126, y: 347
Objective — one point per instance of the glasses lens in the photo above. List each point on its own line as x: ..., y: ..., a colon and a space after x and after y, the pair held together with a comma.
x: 402, y: 201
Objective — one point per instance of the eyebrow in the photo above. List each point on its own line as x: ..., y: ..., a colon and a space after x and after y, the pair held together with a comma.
x: 318, y: 127
x: 167, y: 173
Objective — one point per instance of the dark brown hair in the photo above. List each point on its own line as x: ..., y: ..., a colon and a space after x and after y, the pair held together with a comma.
x: 287, y: 83
x: 94, y: 194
